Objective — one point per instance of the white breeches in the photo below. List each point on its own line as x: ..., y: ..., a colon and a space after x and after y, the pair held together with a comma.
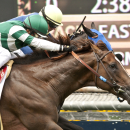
x: 5, y: 56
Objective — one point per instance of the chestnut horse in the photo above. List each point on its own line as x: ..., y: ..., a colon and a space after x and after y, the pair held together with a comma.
x: 37, y: 85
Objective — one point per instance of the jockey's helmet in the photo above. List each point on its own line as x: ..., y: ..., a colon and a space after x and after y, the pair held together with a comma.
x: 52, y: 14
x: 37, y: 24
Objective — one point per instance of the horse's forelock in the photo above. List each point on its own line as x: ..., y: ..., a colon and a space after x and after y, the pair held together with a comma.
x: 102, y: 46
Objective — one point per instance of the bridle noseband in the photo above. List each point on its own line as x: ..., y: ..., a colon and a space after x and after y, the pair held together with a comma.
x: 113, y: 84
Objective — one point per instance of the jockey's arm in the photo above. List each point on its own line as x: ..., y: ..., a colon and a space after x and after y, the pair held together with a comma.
x: 44, y: 44
x: 50, y: 46
x: 21, y: 34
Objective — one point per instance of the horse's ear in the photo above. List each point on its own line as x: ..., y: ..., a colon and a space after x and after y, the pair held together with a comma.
x: 93, y: 26
x: 95, y: 49
x: 89, y: 32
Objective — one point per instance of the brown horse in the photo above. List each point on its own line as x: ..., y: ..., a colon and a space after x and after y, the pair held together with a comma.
x: 37, y: 86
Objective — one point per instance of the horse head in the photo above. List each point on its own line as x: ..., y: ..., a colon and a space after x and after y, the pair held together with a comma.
x: 110, y: 74
x: 96, y: 36
x: 106, y: 64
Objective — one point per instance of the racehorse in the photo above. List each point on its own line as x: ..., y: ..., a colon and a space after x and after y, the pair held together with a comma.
x: 37, y: 85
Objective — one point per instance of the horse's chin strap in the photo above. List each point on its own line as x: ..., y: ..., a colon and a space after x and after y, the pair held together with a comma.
x: 113, y: 85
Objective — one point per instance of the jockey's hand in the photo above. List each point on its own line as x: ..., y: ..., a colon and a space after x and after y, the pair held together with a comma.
x: 67, y: 48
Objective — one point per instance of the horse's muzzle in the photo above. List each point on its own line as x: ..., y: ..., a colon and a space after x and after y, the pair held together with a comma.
x: 126, y: 96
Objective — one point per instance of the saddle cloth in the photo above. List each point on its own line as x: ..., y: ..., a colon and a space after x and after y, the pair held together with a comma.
x: 4, y: 73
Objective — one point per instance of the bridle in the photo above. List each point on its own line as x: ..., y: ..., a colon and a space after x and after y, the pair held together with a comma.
x: 113, y: 84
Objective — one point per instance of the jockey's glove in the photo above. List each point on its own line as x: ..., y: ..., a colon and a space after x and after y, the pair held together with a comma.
x: 67, y: 48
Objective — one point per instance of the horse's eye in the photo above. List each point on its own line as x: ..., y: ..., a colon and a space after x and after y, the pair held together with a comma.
x: 113, y: 66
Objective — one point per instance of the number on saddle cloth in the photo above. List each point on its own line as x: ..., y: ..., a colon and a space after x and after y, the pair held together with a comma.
x: 100, y: 37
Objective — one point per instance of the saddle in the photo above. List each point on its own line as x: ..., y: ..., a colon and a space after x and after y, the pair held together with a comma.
x: 4, y: 68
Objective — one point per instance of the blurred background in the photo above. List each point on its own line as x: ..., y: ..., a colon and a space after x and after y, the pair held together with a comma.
x: 112, y: 18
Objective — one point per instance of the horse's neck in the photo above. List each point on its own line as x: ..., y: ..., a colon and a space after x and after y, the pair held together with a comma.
x: 64, y: 76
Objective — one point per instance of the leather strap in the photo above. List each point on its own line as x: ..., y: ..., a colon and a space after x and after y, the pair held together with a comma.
x: 91, y: 69
x: 81, y: 61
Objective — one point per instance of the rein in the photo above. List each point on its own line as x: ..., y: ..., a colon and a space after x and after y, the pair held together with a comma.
x: 113, y: 84
x: 78, y: 28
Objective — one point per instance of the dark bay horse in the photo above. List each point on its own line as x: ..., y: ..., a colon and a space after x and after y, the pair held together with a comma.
x: 37, y: 85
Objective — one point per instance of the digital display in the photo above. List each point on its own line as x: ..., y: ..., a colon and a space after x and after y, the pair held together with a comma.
x: 86, y: 6
x: 111, y: 6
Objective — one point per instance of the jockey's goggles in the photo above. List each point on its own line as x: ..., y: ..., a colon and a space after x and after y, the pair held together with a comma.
x: 51, y: 24
x: 36, y: 35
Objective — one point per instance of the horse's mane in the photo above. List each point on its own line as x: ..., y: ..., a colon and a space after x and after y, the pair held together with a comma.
x: 81, y: 44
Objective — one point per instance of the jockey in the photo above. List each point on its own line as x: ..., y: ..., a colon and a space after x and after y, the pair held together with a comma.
x: 16, y: 34
x: 51, y: 13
